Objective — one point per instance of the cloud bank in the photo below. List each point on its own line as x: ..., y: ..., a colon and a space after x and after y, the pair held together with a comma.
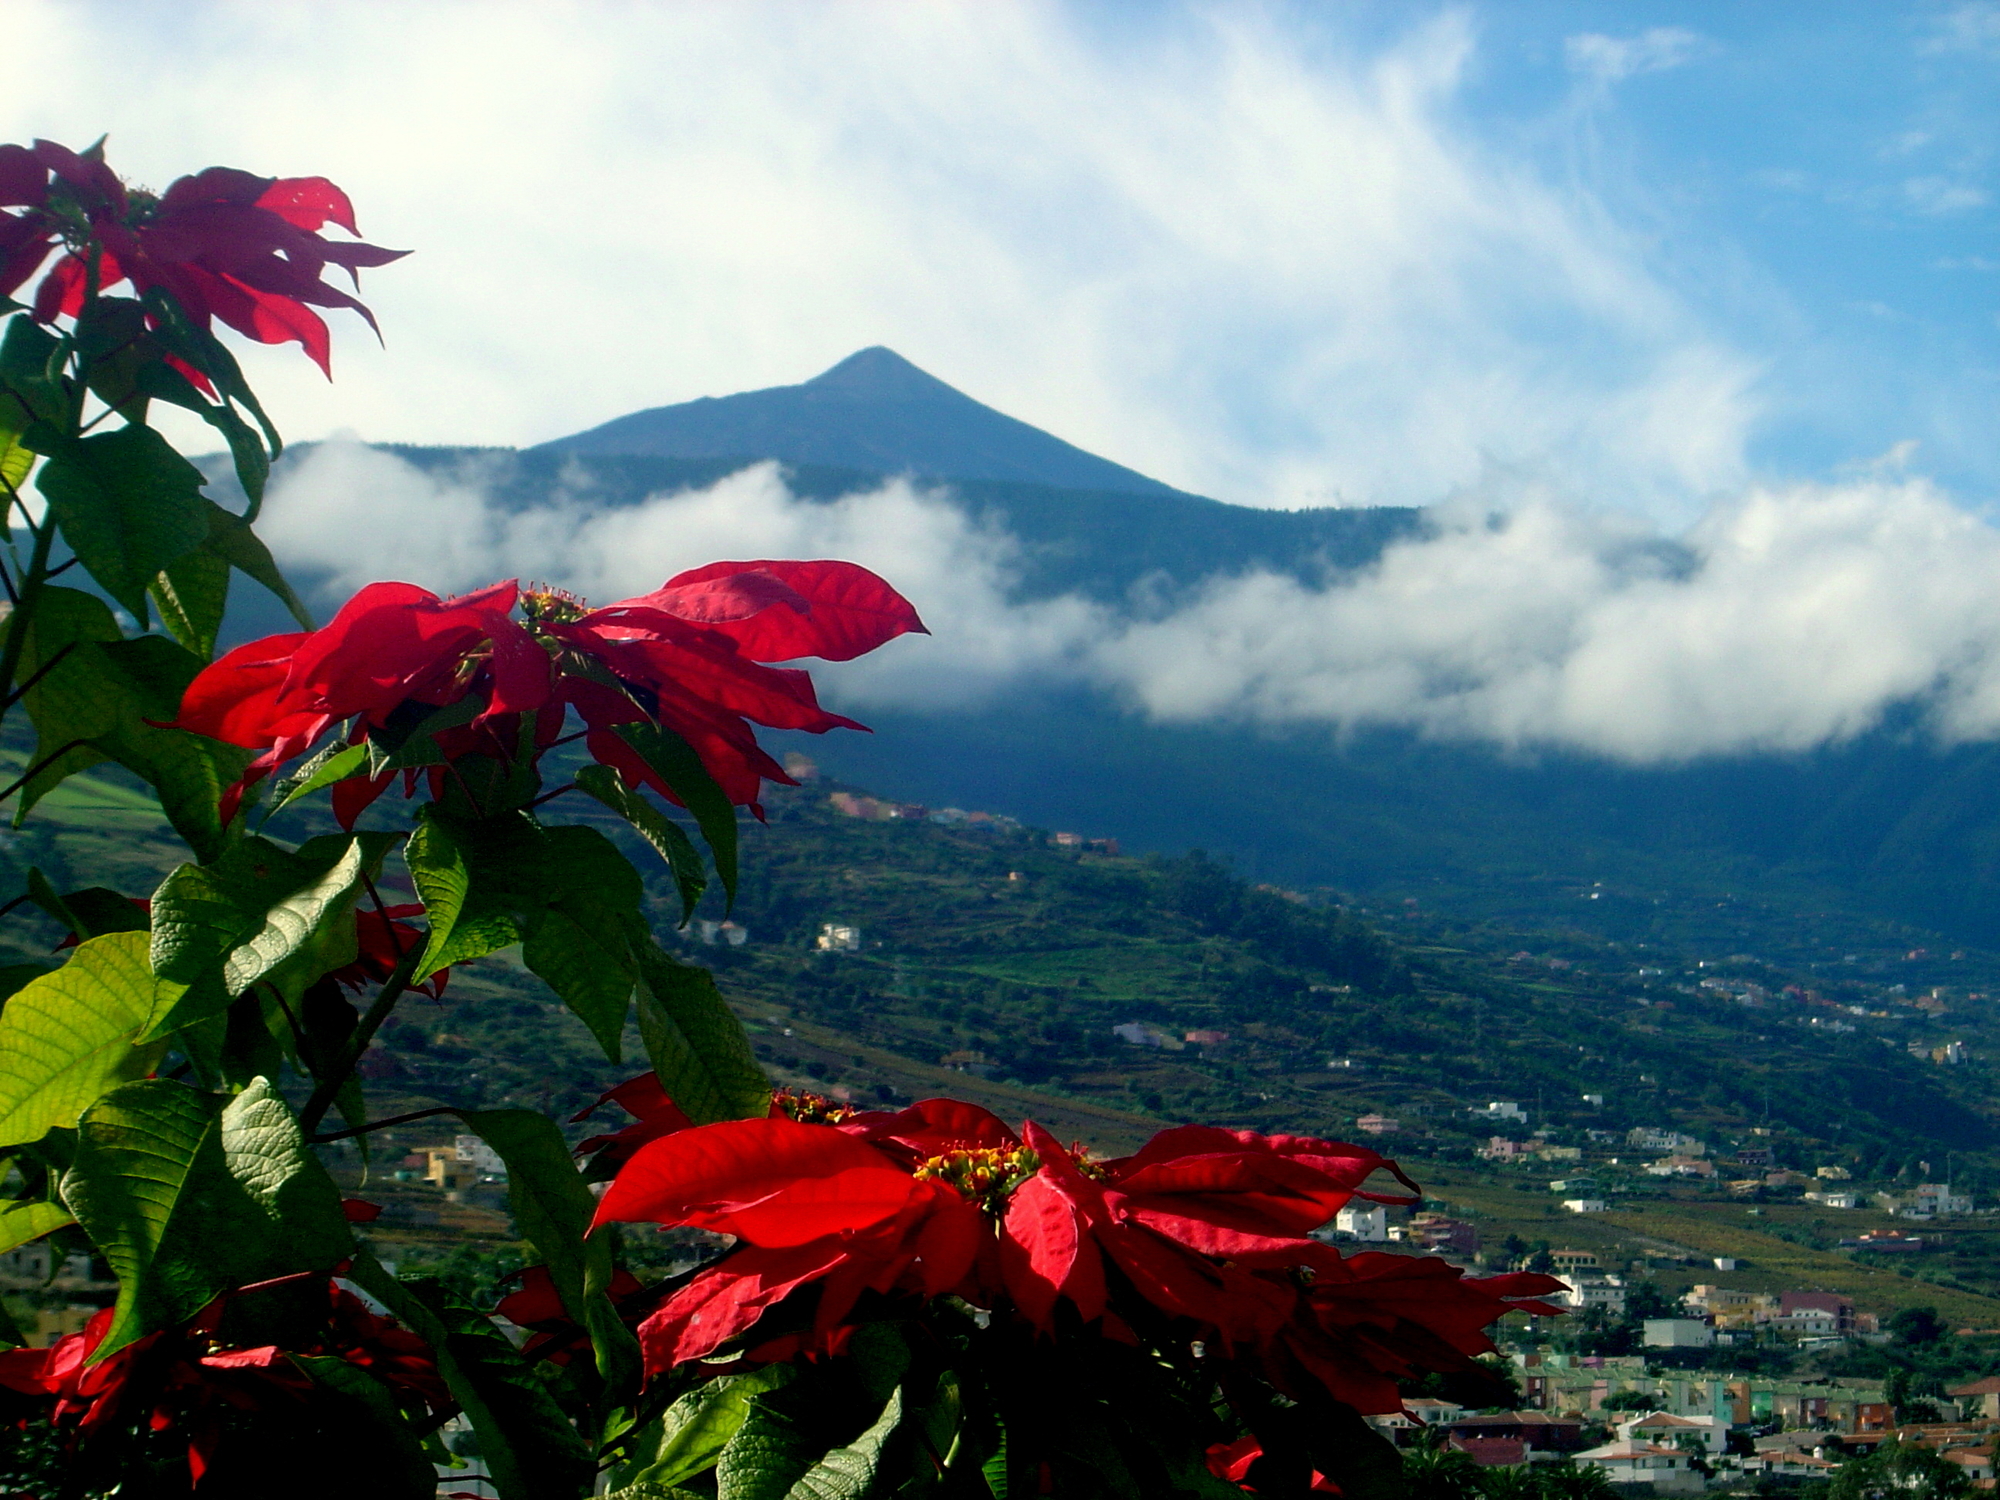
x: 1786, y: 618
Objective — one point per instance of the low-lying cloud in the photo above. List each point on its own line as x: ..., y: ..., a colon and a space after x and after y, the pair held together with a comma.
x: 1786, y: 618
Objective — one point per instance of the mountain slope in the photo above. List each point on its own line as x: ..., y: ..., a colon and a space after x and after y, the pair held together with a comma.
x: 873, y: 411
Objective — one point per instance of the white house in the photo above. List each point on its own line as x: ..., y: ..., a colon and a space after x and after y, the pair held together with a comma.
x: 837, y: 937
x: 475, y: 1153
x: 1678, y: 1333
x: 1363, y: 1221
x: 1607, y: 1292
x: 1635, y: 1461
x: 1652, y: 1138
x: 1585, y: 1205
x: 1666, y: 1430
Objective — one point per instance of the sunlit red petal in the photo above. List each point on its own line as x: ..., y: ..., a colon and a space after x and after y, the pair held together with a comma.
x: 772, y: 1182
x: 850, y: 611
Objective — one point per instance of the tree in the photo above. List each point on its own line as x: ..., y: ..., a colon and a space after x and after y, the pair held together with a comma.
x: 1570, y: 1480
x: 1914, y: 1327
x: 1630, y: 1401
x: 1434, y: 1470
x: 1900, y: 1471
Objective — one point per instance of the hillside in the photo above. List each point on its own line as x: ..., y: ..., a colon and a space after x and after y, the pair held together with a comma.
x: 1108, y: 995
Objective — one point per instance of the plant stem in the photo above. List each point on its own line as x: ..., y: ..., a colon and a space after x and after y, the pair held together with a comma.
x: 357, y: 1042
x: 22, y: 618
x: 39, y: 766
x: 341, y: 1135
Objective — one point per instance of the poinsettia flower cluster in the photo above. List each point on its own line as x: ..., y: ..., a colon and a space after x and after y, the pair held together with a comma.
x: 226, y: 244
x: 1210, y: 1228
x: 692, y: 657
x: 185, y: 1378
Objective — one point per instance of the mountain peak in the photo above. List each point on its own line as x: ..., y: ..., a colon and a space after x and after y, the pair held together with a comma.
x: 874, y: 411
x: 879, y: 370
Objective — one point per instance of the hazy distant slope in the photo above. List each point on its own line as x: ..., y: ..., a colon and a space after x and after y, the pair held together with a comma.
x: 873, y: 411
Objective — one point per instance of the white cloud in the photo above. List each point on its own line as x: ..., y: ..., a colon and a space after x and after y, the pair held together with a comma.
x: 328, y: 515
x: 1971, y: 28
x: 1786, y: 618
x: 1611, y: 59
x: 1260, y: 254
x: 1941, y: 195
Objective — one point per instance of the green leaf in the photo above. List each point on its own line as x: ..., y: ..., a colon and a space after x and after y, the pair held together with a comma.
x: 69, y: 1036
x: 674, y: 759
x: 659, y: 830
x: 334, y: 763
x: 696, y: 1044
x: 98, y: 692
x: 231, y: 539
x: 188, y: 773
x: 553, y: 1209
x: 593, y: 978
x: 192, y: 594
x: 259, y: 913
x: 28, y: 353
x: 22, y: 1222
x: 479, y: 881
x: 128, y: 505
x: 203, y: 913
x: 582, y: 944
x: 406, y: 739
x: 849, y: 1473
x: 188, y: 1194
x: 16, y: 458
x: 533, y: 1451
x: 195, y: 345
x: 768, y: 1454
x: 92, y: 911
x: 690, y: 1435
x: 73, y: 698
x: 400, y: 1464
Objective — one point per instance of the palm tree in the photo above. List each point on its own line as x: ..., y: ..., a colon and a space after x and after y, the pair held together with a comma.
x: 1570, y: 1480
x: 1434, y: 1470
x: 1517, y: 1482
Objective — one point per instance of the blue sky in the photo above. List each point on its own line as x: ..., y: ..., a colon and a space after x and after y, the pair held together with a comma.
x: 1640, y: 255
x: 1821, y: 176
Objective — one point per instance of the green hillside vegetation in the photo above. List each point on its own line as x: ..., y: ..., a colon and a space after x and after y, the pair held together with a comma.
x: 995, y: 966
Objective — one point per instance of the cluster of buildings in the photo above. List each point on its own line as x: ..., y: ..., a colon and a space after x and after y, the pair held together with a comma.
x: 1680, y: 1433
x: 1434, y: 1233
x: 1167, y: 1038
x: 880, y: 810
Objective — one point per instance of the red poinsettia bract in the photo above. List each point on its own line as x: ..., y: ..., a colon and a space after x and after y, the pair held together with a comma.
x: 882, y: 1203
x: 1208, y: 1227
x: 691, y: 657
x: 226, y: 244
x: 653, y: 1115
x: 185, y: 1377
x: 1233, y: 1461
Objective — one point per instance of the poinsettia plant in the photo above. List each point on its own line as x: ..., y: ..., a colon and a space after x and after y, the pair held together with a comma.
x: 929, y: 1301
